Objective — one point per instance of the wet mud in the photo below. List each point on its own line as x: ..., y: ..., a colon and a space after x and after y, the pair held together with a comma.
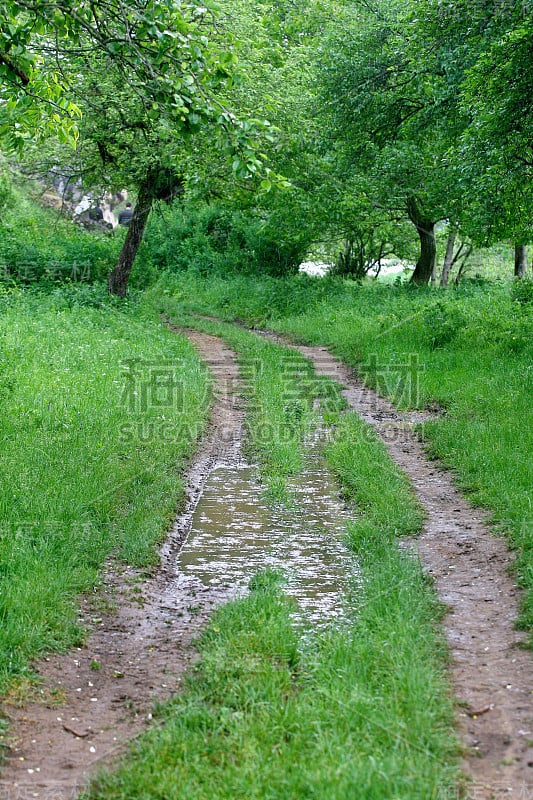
x: 235, y: 533
x: 97, y: 698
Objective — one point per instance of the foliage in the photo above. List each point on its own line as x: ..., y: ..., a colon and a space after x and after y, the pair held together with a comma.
x: 38, y: 245
x: 522, y: 291
x: 34, y: 101
x: 218, y: 238
x: 385, y: 114
x: 160, y: 46
x: 379, y: 102
x: 427, y: 105
x: 6, y: 190
x: 145, y: 77
x: 494, y: 153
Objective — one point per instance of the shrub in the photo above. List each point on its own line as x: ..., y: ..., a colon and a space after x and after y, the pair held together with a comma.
x: 217, y: 238
x: 522, y: 291
x: 443, y: 320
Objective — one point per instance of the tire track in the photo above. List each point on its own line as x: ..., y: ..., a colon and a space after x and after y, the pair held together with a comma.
x: 95, y: 699
x: 491, y: 671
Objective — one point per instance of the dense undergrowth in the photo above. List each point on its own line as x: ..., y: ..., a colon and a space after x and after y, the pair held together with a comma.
x: 40, y: 247
x: 220, y: 238
x: 100, y: 411
x: 466, y: 353
x: 361, y: 710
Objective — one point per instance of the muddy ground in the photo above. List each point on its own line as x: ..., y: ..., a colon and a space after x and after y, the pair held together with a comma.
x: 100, y: 696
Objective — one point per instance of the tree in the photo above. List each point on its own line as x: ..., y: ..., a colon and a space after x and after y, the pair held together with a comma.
x: 520, y: 260
x: 498, y: 145
x: 145, y: 77
x: 454, y: 256
x: 383, y: 108
x: 486, y: 54
x: 34, y: 103
x: 273, y: 41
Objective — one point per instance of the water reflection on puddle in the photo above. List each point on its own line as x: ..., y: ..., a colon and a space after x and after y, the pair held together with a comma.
x: 234, y: 534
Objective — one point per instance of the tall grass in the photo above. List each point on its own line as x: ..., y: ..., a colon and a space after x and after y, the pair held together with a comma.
x: 100, y: 412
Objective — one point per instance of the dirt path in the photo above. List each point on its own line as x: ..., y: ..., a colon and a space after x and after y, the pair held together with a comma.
x: 97, y: 697
x: 492, y: 674
x: 139, y: 652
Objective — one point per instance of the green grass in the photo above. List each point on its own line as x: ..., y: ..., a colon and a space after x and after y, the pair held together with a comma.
x: 471, y: 353
x: 94, y: 440
x: 41, y: 245
x: 353, y: 716
x: 362, y: 710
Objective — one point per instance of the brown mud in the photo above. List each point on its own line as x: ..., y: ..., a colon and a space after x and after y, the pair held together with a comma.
x: 95, y: 699
x: 491, y: 672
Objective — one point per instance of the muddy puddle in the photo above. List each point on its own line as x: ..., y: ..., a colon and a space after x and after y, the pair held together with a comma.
x: 234, y: 533
x: 143, y: 646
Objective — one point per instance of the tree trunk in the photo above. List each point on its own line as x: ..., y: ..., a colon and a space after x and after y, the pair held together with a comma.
x: 428, y: 245
x: 520, y: 260
x: 448, y: 258
x: 434, y: 274
x: 119, y: 276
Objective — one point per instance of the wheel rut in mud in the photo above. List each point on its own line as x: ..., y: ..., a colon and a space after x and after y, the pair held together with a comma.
x: 492, y: 673
x: 95, y: 699
x: 103, y: 692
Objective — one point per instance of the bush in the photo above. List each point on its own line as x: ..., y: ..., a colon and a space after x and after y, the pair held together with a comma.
x: 522, y: 291
x: 443, y: 320
x: 38, y: 246
x: 216, y: 238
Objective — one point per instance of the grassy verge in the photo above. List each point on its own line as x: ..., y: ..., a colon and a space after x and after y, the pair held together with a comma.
x: 360, y: 711
x: 467, y: 351
x: 41, y: 244
x: 100, y: 411
x: 355, y: 716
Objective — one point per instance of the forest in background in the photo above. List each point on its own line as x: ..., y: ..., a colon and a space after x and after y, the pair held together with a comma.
x: 250, y: 138
x: 352, y: 132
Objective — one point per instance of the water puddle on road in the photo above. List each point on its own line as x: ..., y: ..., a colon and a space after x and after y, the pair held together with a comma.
x: 235, y: 533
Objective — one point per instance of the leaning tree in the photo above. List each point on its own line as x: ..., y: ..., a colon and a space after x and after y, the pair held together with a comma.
x: 132, y: 80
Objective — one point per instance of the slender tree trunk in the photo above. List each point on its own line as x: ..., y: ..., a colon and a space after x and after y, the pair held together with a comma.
x: 428, y: 244
x: 434, y: 274
x: 466, y: 256
x: 119, y: 276
x: 520, y: 260
x: 448, y: 258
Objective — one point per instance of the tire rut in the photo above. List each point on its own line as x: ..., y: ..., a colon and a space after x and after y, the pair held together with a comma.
x: 96, y: 698
x: 142, y: 649
x: 491, y: 672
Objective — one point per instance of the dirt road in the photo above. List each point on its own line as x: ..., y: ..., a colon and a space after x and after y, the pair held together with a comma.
x: 98, y: 697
